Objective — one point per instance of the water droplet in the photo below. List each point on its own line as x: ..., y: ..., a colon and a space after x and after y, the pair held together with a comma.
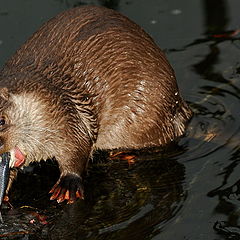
x: 153, y: 21
x: 176, y: 11
x: 176, y: 93
x: 176, y: 102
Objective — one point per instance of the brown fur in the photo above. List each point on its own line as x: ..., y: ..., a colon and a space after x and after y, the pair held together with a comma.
x: 89, y: 79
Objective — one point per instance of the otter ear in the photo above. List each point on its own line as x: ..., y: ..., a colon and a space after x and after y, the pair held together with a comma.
x: 4, y: 93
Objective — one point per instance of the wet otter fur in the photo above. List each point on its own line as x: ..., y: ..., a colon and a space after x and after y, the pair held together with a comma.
x: 88, y: 79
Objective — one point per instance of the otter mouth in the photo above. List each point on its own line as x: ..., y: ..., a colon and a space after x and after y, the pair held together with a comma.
x: 17, y: 158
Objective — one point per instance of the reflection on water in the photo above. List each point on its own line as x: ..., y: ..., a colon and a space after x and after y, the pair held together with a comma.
x: 190, y: 190
x: 217, y: 114
x: 125, y: 201
x: 121, y: 200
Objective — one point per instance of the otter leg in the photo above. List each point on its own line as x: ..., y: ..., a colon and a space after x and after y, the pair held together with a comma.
x: 127, y: 156
x: 69, y: 187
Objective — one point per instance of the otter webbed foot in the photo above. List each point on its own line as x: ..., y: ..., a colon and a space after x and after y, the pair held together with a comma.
x: 68, y: 187
x: 128, y: 156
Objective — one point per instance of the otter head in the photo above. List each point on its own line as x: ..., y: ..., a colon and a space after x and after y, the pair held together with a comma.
x: 25, y: 128
x: 7, y: 141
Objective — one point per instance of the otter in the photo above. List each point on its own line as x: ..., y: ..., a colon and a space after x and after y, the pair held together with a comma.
x: 89, y: 79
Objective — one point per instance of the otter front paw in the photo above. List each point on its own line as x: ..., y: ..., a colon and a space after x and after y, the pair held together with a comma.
x: 68, y: 187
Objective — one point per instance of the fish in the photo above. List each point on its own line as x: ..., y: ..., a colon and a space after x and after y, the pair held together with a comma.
x: 4, y: 177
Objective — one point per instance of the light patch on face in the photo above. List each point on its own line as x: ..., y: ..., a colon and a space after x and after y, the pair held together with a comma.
x: 33, y: 131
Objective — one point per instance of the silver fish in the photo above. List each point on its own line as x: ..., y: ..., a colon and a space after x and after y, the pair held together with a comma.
x: 4, y: 176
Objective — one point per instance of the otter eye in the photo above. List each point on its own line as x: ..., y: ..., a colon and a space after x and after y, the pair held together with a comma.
x: 2, y: 121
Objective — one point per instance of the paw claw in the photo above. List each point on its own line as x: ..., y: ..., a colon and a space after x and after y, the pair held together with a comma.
x: 60, y: 199
x: 55, y: 192
x: 79, y: 194
x: 70, y: 201
x: 54, y: 187
x: 67, y: 195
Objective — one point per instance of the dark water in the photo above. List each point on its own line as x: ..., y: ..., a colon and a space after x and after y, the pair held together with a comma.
x: 189, y: 191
